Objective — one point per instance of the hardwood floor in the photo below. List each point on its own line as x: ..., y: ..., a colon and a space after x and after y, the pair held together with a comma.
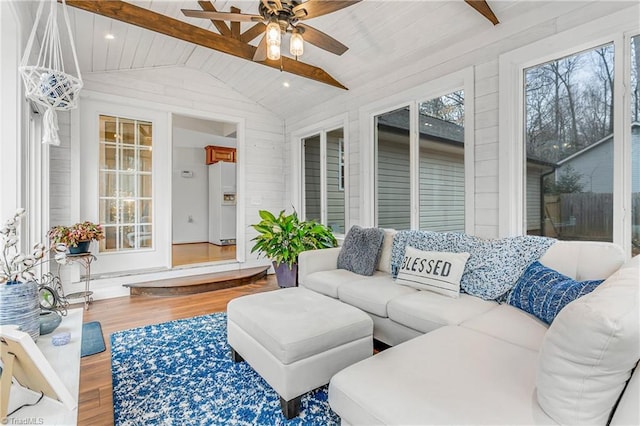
x: 95, y: 397
x: 187, y: 254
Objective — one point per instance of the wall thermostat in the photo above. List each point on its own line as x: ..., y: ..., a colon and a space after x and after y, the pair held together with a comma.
x: 186, y: 174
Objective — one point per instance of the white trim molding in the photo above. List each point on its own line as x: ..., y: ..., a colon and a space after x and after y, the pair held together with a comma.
x: 297, y: 187
x: 463, y: 79
x: 608, y: 29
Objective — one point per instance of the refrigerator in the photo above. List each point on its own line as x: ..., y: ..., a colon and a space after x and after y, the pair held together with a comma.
x: 222, y: 203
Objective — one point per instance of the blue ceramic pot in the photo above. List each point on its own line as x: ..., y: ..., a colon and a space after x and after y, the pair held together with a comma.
x: 49, y: 321
x: 82, y: 247
x: 19, y: 305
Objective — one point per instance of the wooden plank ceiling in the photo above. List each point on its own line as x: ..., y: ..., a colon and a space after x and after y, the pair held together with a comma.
x: 380, y: 35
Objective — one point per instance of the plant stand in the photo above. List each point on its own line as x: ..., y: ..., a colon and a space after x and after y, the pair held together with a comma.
x: 84, y: 259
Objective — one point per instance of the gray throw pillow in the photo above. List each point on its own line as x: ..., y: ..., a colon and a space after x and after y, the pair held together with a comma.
x: 361, y: 250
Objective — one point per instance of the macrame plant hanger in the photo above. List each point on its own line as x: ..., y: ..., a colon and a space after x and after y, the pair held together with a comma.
x: 46, y: 82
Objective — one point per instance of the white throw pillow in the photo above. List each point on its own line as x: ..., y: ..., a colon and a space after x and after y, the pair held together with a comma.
x: 384, y: 264
x: 435, y: 271
x: 589, y: 351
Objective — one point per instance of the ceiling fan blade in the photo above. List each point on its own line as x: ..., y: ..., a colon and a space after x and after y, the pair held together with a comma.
x: 321, y: 40
x: 484, y: 9
x: 315, y: 8
x: 222, y: 16
x: 261, y: 51
x: 273, y: 5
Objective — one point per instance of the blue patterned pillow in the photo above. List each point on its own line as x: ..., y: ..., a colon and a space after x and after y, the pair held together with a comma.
x: 543, y: 292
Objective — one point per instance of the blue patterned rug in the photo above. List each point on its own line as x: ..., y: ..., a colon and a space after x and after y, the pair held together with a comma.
x: 181, y: 373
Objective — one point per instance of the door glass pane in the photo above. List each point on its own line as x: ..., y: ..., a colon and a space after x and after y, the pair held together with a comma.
x: 127, y: 184
x: 635, y: 145
x: 145, y: 160
x: 144, y: 185
x: 569, y: 146
x: 125, y: 196
x: 108, y: 186
x: 441, y: 124
x: 312, y: 177
x: 335, y: 180
x: 108, y: 157
x: 110, y: 242
x: 144, y: 130
x: 127, y: 132
x: 393, y: 192
x: 108, y: 211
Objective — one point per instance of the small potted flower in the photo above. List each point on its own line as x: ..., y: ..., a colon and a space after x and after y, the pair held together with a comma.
x: 77, y: 237
x: 19, y: 301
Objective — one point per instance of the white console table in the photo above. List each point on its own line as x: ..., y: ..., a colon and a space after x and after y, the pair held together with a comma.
x: 65, y: 360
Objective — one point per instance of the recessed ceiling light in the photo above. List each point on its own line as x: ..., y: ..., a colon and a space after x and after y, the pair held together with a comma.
x: 286, y: 84
x: 109, y: 36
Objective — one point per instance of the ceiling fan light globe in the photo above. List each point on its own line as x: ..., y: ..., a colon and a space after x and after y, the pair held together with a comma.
x: 273, y: 52
x: 273, y: 33
x: 296, y: 45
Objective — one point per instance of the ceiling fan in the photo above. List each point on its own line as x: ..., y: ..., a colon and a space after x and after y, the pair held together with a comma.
x: 284, y: 16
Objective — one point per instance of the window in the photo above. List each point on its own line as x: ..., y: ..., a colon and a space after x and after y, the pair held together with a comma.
x: 335, y: 180
x: 324, y: 178
x: 440, y: 176
x: 393, y: 182
x: 312, y: 178
x: 635, y: 145
x: 125, y: 196
x: 569, y: 146
x: 442, y: 185
x: 341, y: 164
x: 567, y: 139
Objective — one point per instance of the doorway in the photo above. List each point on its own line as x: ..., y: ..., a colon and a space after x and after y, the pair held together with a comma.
x: 204, y: 195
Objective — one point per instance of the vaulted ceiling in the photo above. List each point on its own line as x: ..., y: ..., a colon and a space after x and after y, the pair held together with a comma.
x: 380, y: 35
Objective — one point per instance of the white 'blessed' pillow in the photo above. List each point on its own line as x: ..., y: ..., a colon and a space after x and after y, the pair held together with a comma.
x: 435, y: 271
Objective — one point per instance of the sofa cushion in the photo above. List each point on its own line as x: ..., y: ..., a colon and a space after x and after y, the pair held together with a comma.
x: 328, y: 282
x: 493, y: 266
x: 589, y: 351
x: 384, y: 264
x: 426, y: 311
x: 373, y: 294
x: 584, y: 260
x: 510, y: 324
x: 543, y: 292
x: 435, y: 271
x: 450, y: 376
x: 361, y: 250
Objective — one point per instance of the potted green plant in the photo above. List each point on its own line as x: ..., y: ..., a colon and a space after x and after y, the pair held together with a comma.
x: 77, y: 236
x: 284, y: 237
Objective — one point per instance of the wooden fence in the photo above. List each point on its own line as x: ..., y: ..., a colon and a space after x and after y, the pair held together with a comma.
x: 585, y: 216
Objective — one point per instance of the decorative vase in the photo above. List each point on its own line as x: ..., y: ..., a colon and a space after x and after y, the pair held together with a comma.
x: 287, y: 277
x: 19, y: 305
x: 49, y: 321
x: 82, y: 247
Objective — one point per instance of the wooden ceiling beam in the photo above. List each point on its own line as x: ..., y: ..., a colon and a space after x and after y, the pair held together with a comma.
x: 235, y: 26
x: 484, y: 9
x: 150, y: 20
x: 221, y: 26
x: 253, y: 32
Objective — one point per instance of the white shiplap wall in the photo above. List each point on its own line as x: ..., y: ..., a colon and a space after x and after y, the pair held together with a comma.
x: 183, y: 90
x: 478, y: 50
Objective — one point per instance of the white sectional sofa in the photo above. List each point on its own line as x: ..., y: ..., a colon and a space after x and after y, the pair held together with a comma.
x: 471, y: 361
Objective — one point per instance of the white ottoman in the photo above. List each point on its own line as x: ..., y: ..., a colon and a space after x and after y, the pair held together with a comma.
x: 297, y: 339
